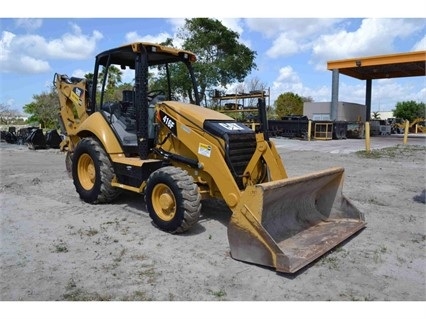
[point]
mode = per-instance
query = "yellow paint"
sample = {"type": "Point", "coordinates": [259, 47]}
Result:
{"type": "Point", "coordinates": [406, 129]}
{"type": "Point", "coordinates": [367, 137]}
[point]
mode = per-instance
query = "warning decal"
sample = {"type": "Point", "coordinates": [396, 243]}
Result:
{"type": "Point", "coordinates": [204, 149]}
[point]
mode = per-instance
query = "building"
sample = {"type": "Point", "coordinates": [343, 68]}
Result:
{"type": "Point", "coordinates": [346, 111]}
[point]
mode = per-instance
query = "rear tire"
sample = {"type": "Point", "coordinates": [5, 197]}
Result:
{"type": "Point", "coordinates": [172, 199]}
{"type": "Point", "coordinates": [93, 172]}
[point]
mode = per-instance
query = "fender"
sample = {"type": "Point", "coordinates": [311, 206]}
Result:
{"type": "Point", "coordinates": [97, 125]}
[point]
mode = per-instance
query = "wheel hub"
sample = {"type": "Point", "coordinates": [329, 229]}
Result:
{"type": "Point", "coordinates": [166, 201]}
{"type": "Point", "coordinates": [86, 171]}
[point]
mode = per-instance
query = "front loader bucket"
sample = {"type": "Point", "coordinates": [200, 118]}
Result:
{"type": "Point", "coordinates": [289, 223]}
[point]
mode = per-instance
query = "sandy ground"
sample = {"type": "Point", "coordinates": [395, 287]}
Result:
{"type": "Point", "coordinates": [55, 247]}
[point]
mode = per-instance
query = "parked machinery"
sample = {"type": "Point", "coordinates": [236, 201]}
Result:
{"type": "Point", "coordinates": [177, 153]}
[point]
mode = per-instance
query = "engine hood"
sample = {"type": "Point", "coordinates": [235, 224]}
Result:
{"type": "Point", "coordinates": [189, 112]}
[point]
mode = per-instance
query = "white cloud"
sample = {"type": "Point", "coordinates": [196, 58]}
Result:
{"type": "Point", "coordinates": [373, 37]}
{"type": "Point", "coordinates": [5, 43]}
{"type": "Point", "coordinates": [10, 61]}
{"type": "Point", "coordinates": [30, 53]}
{"type": "Point", "coordinates": [10, 102]}
{"type": "Point", "coordinates": [421, 95]}
{"type": "Point", "coordinates": [386, 91]}
{"type": "Point", "coordinates": [283, 46]}
{"type": "Point", "coordinates": [295, 28]}
{"type": "Point", "coordinates": [75, 45]}
{"type": "Point", "coordinates": [321, 40]}
{"type": "Point", "coordinates": [233, 24]}
{"type": "Point", "coordinates": [29, 24]}
{"type": "Point", "coordinates": [421, 45]}
{"type": "Point", "coordinates": [329, 39]}
{"type": "Point", "coordinates": [33, 65]}
{"type": "Point", "coordinates": [133, 36]}
{"type": "Point", "coordinates": [176, 23]}
{"type": "Point", "coordinates": [79, 73]}
{"type": "Point", "coordinates": [287, 74]}
{"type": "Point", "coordinates": [290, 36]}
{"type": "Point", "coordinates": [287, 81]}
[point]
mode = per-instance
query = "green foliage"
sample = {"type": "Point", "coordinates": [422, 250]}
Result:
{"type": "Point", "coordinates": [376, 115]}
{"type": "Point", "coordinates": [179, 81]}
{"type": "Point", "coordinates": [288, 104]}
{"type": "Point", "coordinates": [221, 58]}
{"type": "Point", "coordinates": [114, 87]}
{"type": "Point", "coordinates": [409, 110]}
{"type": "Point", "coordinates": [44, 109]}
{"type": "Point", "coordinates": [112, 82]}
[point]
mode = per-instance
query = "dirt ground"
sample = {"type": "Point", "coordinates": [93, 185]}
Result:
{"type": "Point", "coordinates": [54, 247]}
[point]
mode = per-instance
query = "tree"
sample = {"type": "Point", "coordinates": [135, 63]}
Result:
{"type": "Point", "coordinates": [114, 87]}
{"type": "Point", "coordinates": [376, 115]}
{"type": "Point", "coordinates": [255, 84]}
{"type": "Point", "coordinates": [44, 109]}
{"type": "Point", "coordinates": [307, 99]}
{"type": "Point", "coordinates": [8, 115]}
{"type": "Point", "coordinates": [409, 110]}
{"type": "Point", "coordinates": [221, 59]}
{"type": "Point", "coordinates": [114, 78]}
{"type": "Point", "coordinates": [288, 104]}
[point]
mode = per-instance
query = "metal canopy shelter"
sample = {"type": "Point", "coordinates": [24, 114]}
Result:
{"type": "Point", "coordinates": [375, 67]}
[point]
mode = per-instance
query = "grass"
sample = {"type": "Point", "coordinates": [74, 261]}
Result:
{"type": "Point", "coordinates": [73, 293]}
{"type": "Point", "coordinates": [377, 254]}
{"type": "Point", "coordinates": [82, 295]}
{"type": "Point", "coordinates": [149, 274]}
{"type": "Point", "coordinates": [60, 247]}
{"type": "Point", "coordinates": [90, 232]}
{"type": "Point", "coordinates": [391, 152]}
{"type": "Point", "coordinates": [219, 294]}
{"type": "Point", "coordinates": [332, 260]}
{"type": "Point", "coordinates": [137, 296]}
{"type": "Point", "coordinates": [350, 296]}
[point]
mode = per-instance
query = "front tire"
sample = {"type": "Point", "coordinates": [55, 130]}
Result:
{"type": "Point", "coordinates": [172, 199]}
{"type": "Point", "coordinates": [93, 172]}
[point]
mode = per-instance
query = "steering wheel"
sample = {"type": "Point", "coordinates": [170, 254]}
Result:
{"type": "Point", "coordinates": [154, 93]}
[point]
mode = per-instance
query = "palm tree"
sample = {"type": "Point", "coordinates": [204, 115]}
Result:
{"type": "Point", "coordinates": [114, 78]}
{"type": "Point", "coordinates": [376, 115]}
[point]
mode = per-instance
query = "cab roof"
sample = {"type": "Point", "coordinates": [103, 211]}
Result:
{"type": "Point", "coordinates": [157, 54]}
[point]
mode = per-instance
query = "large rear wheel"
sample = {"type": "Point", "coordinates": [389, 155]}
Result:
{"type": "Point", "coordinates": [93, 172]}
{"type": "Point", "coordinates": [172, 199]}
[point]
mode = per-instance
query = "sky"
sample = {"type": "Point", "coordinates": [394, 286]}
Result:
{"type": "Point", "coordinates": [292, 48]}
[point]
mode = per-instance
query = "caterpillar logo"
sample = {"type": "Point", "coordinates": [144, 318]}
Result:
{"type": "Point", "coordinates": [169, 122]}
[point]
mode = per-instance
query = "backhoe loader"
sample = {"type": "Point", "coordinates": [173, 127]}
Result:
{"type": "Point", "coordinates": [156, 141]}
